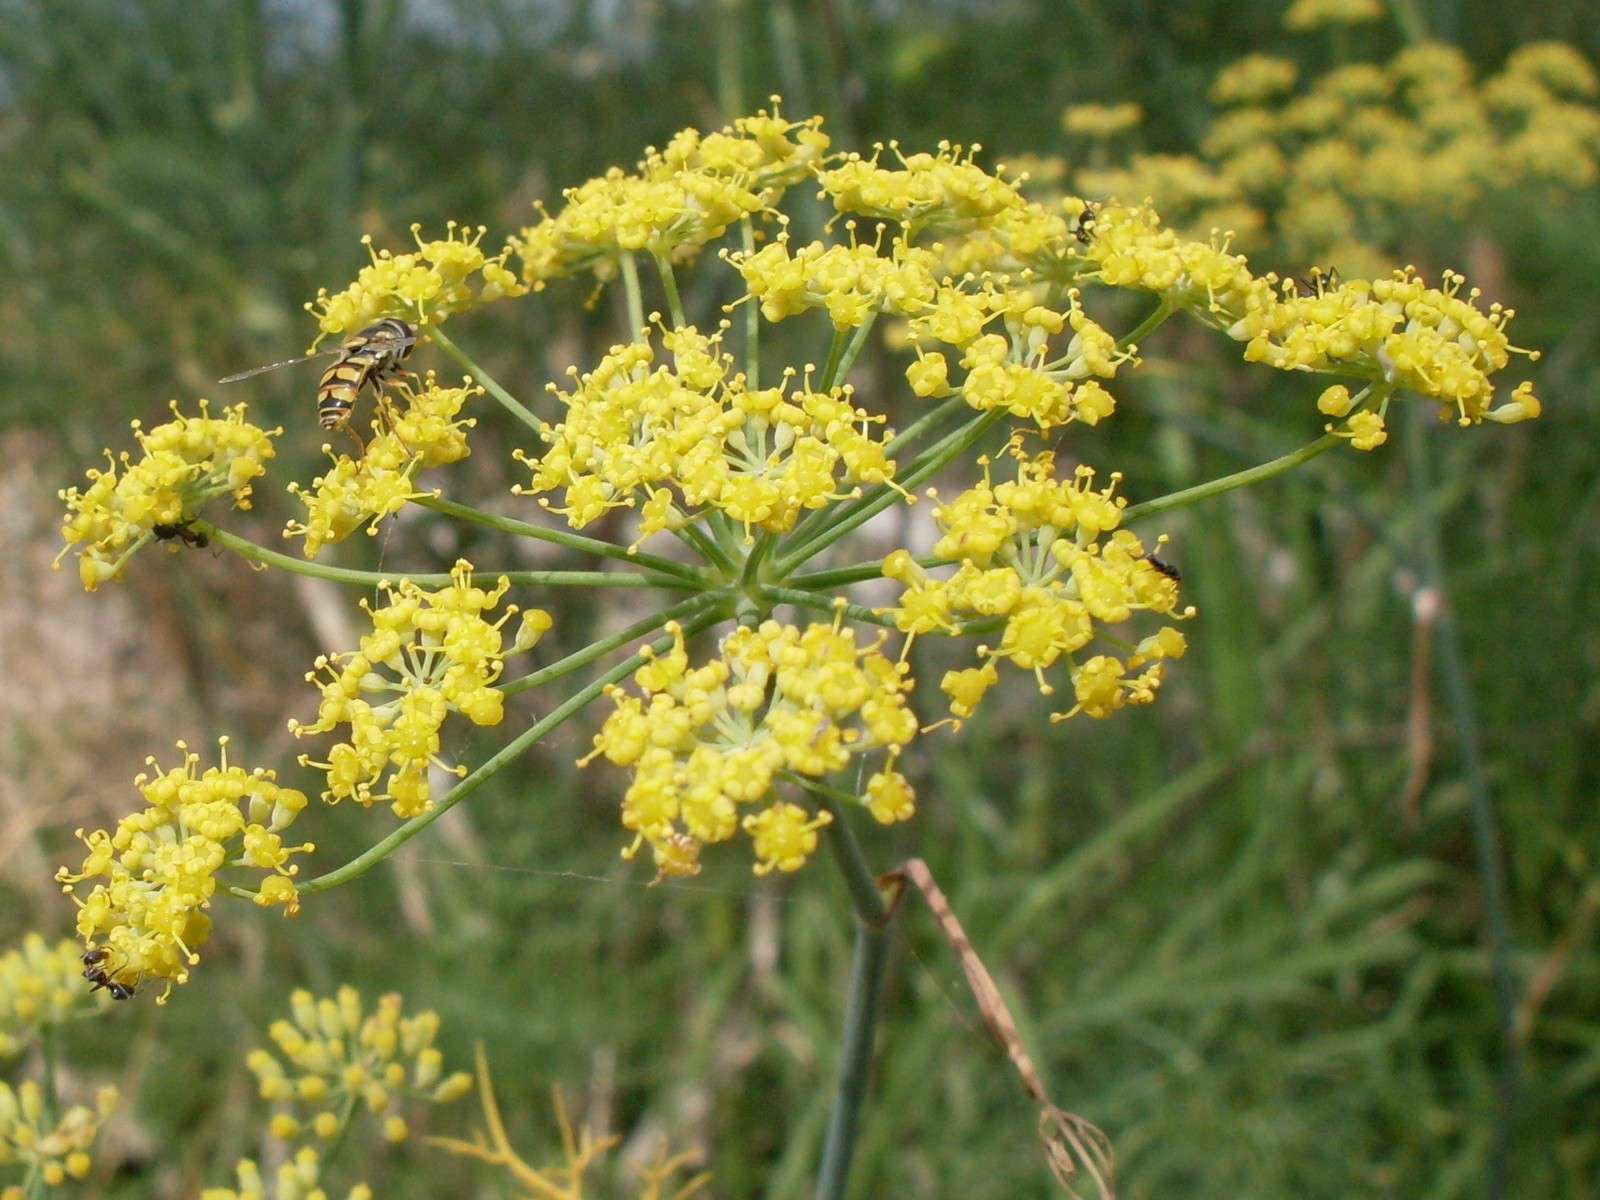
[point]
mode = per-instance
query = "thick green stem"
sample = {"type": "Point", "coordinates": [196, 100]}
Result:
{"type": "Point", "coordinates": [299, 566]}
{"type": "Point", "coordinates": [867, 967]}
{"type": "Point", "coordinates": [1485, 822]}
{"type": "Point", "coordinates": [486, 771]}
{"type": "Point", "coordinates": [669, 284]}
{"type": "Point", "coordinates": [560, 537]}
{"type": "Point", "coordinates": [579, 658]}
{"type": "Point", "coordinates": [507, 401]}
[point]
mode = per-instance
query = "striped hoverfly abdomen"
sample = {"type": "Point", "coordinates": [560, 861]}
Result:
{"type": "Point", "coordinates": [369, 356]}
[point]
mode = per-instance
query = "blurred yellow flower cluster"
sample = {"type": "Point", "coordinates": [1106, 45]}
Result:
{"type": "Point", "coordinates": [430, 653]}
{"type": "Point", "coordinates": [423, 286]}
{"type": "Point", "coordinates": [1044, 561]}
{"type": "Point", "coordinates": [186, 462]}
{"type": "Point", "coordinates": [160, 865]}
{"type": "Point", "coordinates": [40, 984]}
{"type": "Point", "coordinates": [705, 742]}
{"type": "Point", "coordinates": [333, 1057]}
{"type": "Point", "coordinates": [1366, 146]}
{"type": "Point", "coordinates": [52, 1149]}
{"type": "Point", "coordinates": [297, 1178]}
{"type": "Point", "coordinates": [694, 434]}
{"type": "Point", "coordinates": [425, 430]}
{"type": "Point", "coordinates": [680, 197]}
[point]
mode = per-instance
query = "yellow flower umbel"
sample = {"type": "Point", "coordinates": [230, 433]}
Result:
{"type": "Point", "coordinates": [423, 287]}
{"type": "Point", "coordinates": [675, 440]}
{"type": "Point", "coordinates": [40, 984]}
{"type": "Point", "coordinates": [1045, 560]}
{"type": "Point", "coordinates": [51, 1151]}
{"type": "Point", "coordinates": [426, 430]}
{"type": "Point", "coordinates": [334, 1057]}
{"type": "Point", "coordinates": [299, 1178]}
{"type": "Point", "coordinates": [707, 743]}
{"type": "Point", "coordinates": [159, 868]}
{"type": "Point", "coordinates": [680, 198]}
{"type": "Point", "coordinates": [1433, 341]}
{"type": "Point", "coordinates": [186, 462]}
{"type": "Point", "coordinates": [429, 654]}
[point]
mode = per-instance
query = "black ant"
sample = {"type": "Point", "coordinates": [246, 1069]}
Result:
{"type": "Point", "coordinates": [183, 531]}
{"type": "Point", "coordinates": [1165, 568]}
{"type": "Point", "coordinates": [100, 978]}
{"type": "Point", "coordinates": [1082, 226]}
{"type": "Point", "coordinates": [1317, 282]}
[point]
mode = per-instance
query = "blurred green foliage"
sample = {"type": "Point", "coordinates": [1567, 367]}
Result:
{"type": "Point", "coordinates": [1244, 930]}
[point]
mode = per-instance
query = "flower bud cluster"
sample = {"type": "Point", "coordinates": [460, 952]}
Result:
{"type": "Point", "coordinates": [707, 743]}
{"type": "Point", "coordinates": [430, 653]}
{"type": "Point", "coordinates": [40, 984]}
{"type": "Point", "coordinates": [145, 919]}
{"type": "Point", "coordinates": [334, 1056]}
{"type": "Point", "coordinates": [298, 1178]}
{"type": "Point", "coordinates": [185, 462]}
{"type": "Point", "coordinates": [51, 1150]}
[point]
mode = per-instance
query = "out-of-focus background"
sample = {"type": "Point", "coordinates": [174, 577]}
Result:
{"type": "Point", "coordinates": [1250, 931]}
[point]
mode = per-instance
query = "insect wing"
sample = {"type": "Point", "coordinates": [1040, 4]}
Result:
{"type": "Point", "coordinates": [287, 362]}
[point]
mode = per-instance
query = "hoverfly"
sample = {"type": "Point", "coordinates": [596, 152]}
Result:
{"type": "Point", "coordinates": [372, 355]}
{"type": "Point", "coordinates": [101, 978]}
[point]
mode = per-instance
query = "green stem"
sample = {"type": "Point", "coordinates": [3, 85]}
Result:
{"type": "Point", "coordinates": [835, 577]}
{"type": "Point", "coordinates": [707, 546]}
{"type": "Point", "coordinates": [865, 894]}
{"type": "Point", "coordinates": [835, 353]}
{"type": "Point", "coordinates": [820, 603]}
{"type": "Point", "coordinates": [579, 658]}
{"type": "Point", "coordinates": [1239, 479]}
{"type": "Point", "coordinates": [933, 416]}
{"type": "Point", "coordinates": [752, 317]}
{"type": "Point", "coordinates": [507, 401]}
{"type": "Point", "coordinates": [669, 284]}
{"type": "Point", "coordinates": [486, 771]}
{"type": "Point", "coordinates": [1485, 823]}
{"type": "Point", "coordinates": [853, 516]}
{"type": "Point", "coordinates": [630, 285]}
{"type": "Point", "coordinates": [559, 537]}
{"type": "Point", "coordinates": [868, 963]}
{"type": "Point", "coordinates": [299, 566]}
{"type": "Point", "coordinates": [1142, 330]}
{"type": "Point", "coordinates": [758, 554]}
{"type": "Point", "coordinates": [841, 366]}
{"type": "Point", "coordinates": [47, 1052]}
{"type": "Point", "coordinates": [346, 1119]}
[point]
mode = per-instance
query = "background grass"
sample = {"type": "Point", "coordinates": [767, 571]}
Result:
{"type": "Point", "coordinates": [1244, 930]}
